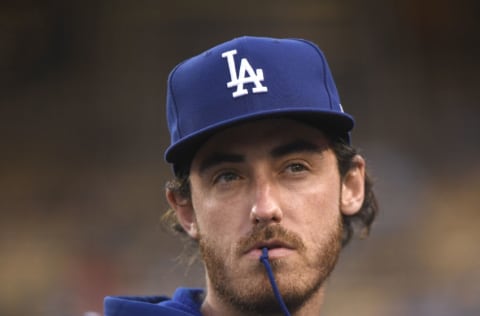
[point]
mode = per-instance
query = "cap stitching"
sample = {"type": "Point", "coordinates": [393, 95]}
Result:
{"type": "Point", "coordinates": [172, 93]}
{"type": "Point", "coordinates": [325, 69]}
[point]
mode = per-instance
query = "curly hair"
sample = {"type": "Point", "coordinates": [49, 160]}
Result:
{"type": "Point", "coordinates": [359, 223]}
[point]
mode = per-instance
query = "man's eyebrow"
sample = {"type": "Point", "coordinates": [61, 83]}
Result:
{"type": "Point", "coordinates": [217, 158]}
{"type": "Point", "coordinates": [296, 146]}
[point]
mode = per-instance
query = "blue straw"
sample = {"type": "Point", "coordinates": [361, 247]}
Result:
{"type": "Point", "coordinates": [266, 263]}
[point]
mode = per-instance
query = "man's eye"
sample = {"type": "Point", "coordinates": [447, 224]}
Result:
{"type": "Point", "coordinates": [226, 177]}
{"type": "Point", "coordinates": [296, 167]}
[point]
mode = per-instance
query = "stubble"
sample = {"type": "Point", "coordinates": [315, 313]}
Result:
{"type": "Point", "coordinates": [250, 291]}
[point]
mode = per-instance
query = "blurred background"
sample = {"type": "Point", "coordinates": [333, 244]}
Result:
{"type": "Point", "coordinates": [82, 90]}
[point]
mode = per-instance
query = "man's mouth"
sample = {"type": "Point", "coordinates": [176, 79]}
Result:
{"type": "Point", "coordinates": [276, 249]}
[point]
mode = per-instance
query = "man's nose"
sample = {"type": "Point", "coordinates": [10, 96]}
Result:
{"type": "Point", "coordinates": [265, 207]}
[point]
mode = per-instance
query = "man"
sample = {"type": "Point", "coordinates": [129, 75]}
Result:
{"type": "Point", "coordinates": [266, 182]}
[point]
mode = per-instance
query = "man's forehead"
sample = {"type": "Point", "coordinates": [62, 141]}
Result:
{"type": "Point", "coordinates": [285, 149]}
{"type": "Point", "coordinates": [275, 136]}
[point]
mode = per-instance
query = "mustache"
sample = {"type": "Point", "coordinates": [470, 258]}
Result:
{"type": "Point", "coordinates": [271, 232]}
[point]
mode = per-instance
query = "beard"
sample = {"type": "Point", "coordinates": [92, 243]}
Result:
{"type": "Point", "coordinates": [245, 285]}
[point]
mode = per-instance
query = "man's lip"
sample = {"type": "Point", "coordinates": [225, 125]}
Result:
{"type": "Point", "coordinates": [270, 244]}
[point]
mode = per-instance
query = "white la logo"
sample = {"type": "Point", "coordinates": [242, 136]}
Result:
{"type": "Point", "coordinates": [245, 69]}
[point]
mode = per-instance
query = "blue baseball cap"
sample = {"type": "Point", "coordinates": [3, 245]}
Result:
{"type": "Point", "coordinates": [250, 78]}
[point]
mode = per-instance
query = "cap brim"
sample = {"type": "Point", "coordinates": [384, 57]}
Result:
{"type": "Point", "coordinates": [331, 122]}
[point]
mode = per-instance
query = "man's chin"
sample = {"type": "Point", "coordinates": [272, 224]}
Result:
{"type": "Point", "coordinates": [255, 295]}
{"type": "Point", "coordinates": [252, 296]}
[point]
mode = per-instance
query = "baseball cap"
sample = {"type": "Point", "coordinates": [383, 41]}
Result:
{"type": "Point", "coordinates": [250, 78]}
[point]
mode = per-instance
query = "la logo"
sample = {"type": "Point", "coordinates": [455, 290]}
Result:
{"type": "Point", "coordinates": [246, 74]}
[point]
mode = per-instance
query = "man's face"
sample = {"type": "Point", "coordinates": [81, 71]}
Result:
{"type": "Point", "coordinates": [271, 183]}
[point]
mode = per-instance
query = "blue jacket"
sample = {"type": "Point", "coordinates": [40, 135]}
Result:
{"type": "Point", "coordinates": [185, 302]}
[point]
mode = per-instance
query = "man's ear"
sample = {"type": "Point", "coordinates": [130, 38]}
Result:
{"type": "Point", "coordinates": [353, 188]}
{"type": "Point", "coordinates": [184, 211]}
